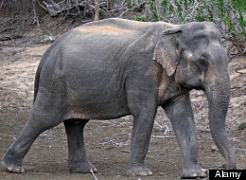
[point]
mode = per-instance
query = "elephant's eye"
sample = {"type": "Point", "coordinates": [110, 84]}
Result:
{"type": "Point", "coordinates": [202, 63]}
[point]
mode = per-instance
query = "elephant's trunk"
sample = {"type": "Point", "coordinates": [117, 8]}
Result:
{"type": "Point", "coordinates": [218, 95]}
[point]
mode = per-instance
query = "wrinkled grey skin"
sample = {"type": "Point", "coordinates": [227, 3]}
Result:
{"type": "Point", "coordinates": [111, 68]}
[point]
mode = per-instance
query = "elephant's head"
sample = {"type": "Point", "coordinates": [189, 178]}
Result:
{"type": "Point", "coordinates": [194, 55]}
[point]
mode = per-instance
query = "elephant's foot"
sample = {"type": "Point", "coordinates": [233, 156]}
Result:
{"type": "Point", "coordinates": [86, 167]}
{"type": "Point", "coordinates": [194, 172]}
{"type": "Point", "coordinates": [12, 166]}
{"type": "Point", "coordinates": [139, 171]}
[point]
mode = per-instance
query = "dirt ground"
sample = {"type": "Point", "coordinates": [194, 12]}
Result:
{"type": "Point", "coordinates": [107, 142]}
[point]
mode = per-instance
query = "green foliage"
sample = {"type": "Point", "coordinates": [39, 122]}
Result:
{"type": "Point", "coordinates": [240, 6]}
{"type": "Point", "coordinates": [154, 10]}
{"type": "Point", "coordinates": [129, 3]}
{"type": "Point", "coordinates": [139, 18]}
{"type": "Point", "coordinates": [229, 12]}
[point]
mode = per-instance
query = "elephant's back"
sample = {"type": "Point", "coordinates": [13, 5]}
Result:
{"type": "Point", "coordinates": [121, 27]}
{"type": "Point", "coordinates": [114, 26]}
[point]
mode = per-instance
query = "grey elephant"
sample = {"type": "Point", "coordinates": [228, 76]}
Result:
{"type": "Point", "coordinates": [115, 67]}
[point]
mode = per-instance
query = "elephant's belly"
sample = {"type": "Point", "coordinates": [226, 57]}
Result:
{"type": "Point", "coordinates": [97, 106]}
{"type": "Point", "coordinates": [91, 113]}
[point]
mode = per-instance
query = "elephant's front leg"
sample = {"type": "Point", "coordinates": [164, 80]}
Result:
{"type": "Point", "coordinates": [181, 116]}
{"type": "Point", "coordinates": [142, 128]}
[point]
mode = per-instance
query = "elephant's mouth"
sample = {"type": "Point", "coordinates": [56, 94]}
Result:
{"type": "Point", "coordinates": [199, 88]}
{"type": "Point", "coordinates": [185, 86]}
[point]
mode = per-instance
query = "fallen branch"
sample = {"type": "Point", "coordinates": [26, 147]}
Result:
{"type": "Point", "coordinates": [10, 37]}
{"type": "Point", "coordinates": [41, 5]}
{"type": "Point", "coordinates": [240, 71]}
{"type": "Point", "coordinates": [163, 136]}
{"type": "Point", "coordinates": [112, 142]}
{"type": "Point", "coordinates": [240, 149]}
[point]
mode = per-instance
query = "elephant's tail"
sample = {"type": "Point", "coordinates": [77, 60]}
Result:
{"type": "Point", "coordinates": [36, 81]}
{"type": "Point", "coordinates": [38, 72]}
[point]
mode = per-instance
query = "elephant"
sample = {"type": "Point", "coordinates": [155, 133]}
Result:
{"type": "Point", "coordinates": [114, 67]}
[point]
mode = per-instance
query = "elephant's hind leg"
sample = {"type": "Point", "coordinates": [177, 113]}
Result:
{"type": "Point", "coordinates": [77, 159]}
{"type": "Point", "coordinates": [40, 119]}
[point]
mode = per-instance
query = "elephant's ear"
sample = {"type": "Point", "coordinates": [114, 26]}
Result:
{"type": "Point", "coordinates": [167, 50]}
